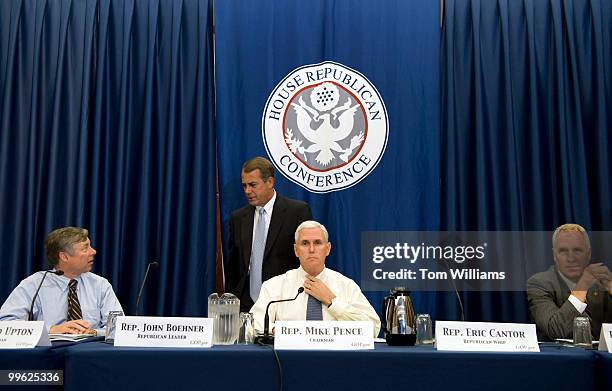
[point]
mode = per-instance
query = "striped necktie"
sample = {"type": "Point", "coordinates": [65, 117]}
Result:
{"type": "Point", "coordinates": [314, 309]}
{"type": "Point", "coordinates": [257, 253]}
{"type": "Point", "coordinates": [74, 307]}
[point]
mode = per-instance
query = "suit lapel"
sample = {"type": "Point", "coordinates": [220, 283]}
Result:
{"type": "Point", "coordinates": [562, 290]}
{"type": "Point", "coordinates": [276, 223]}
{"type": "Point", "coordinates": [247, 234]}
{"type": "Point", "coordinates": [594, 307]}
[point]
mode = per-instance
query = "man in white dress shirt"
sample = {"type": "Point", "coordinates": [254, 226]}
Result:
{"type": "Point", "coordinates": [337, 297]}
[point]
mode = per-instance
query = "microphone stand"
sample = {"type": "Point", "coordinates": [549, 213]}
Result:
{"type": "Point", "coordinates": [57, 273]}
{"type": "Point", "coordinates": [266, 338]}
{"type": "Point", "coordinates": [154, 264]}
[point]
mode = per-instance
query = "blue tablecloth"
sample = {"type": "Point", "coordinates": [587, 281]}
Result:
{"type": "Point", "coordinates": [603, 371]}
{"type": "Point", "coordinates": [43, 358]}
{"type": "Point", "coordinates": [96, 366]}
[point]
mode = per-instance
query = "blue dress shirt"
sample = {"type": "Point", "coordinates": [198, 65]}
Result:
{"type": "Point", "coordinates": [95, 294]}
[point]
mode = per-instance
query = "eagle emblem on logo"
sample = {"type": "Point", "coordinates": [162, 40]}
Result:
{"type": "Point", "coordinates": [324, 132]}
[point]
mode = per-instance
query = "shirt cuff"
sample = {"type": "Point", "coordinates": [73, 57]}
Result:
{"type": "Point", "coordinates": [338, 307]}
{"type": "Point", "coordinates": [580, 306]}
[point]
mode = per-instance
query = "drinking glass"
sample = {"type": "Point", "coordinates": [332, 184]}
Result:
{"type": "Point", "coordinates": [111, 324]}
{"type": "Point", "coordinates": [582, 332]}
{"type": "Point", "coordinates": [424, 330]}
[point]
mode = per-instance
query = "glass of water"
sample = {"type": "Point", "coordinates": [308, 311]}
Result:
{"type": "Point", "coordinates": [246, 333]}
{"type": "Point", "coordinates": [111, 325]}
{"type": "Point", "coordinates": [582, 332]}
{"type": "Point", "coordinates": [424, 330]}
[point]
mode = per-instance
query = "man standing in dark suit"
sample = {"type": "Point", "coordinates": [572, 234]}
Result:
{"type": "Point", "coordinates": [572, 287]}
{"type": "Point", "coordinates": [261, 233]}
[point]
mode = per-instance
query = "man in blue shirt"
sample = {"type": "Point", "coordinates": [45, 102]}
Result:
{"type": "Point", "coordinates": [73, 303]}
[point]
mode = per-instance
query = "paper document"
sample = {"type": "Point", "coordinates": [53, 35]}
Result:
{"type": "Point", "coordinates": [69, 337]}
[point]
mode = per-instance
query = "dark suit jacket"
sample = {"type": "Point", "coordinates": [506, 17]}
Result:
{"type": "Point", "coordinates": [279, 256]}
{"type": "Point", "coordinates": [554, 314]}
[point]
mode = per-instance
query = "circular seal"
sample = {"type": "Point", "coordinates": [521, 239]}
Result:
{"type": "Point", "coordinates": [325, 127]}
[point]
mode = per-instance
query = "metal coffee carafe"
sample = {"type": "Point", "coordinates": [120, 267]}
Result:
{"type": "Point", "coordinates": [398, 322]}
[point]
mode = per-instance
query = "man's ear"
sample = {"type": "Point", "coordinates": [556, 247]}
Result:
{"type": "Point", "coordinates": [62, 256]}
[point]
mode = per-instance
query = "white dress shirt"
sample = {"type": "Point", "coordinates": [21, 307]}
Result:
{"type": "Point", "coordinates": [349, 304]}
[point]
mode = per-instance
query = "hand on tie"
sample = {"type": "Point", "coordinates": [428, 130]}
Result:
{"type": "Point", "coordinates": [317, 289]}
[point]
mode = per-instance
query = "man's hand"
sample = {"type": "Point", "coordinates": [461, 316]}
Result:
{"type": "Point", "coordinates": [78, 326]}
{"type": "Point", "coordinates": [317, 289]}
{"type": "Point", "coordinates": [592, 274]}
{"type": "Point", "coordinates": [603, 276]}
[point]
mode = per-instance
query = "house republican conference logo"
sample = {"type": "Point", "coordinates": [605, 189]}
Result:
{"type": "Point", "coordinates": [325, 127]}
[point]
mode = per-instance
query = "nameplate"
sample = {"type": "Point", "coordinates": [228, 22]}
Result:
{"type": "Point", "coordinates": [21, 334]}
{"type": "Point", "coordinates": [323, 335]}
{"type": "Point", "coordinates": [605, 337]}
{"type": "Point", "coordinates": [486, 337]}
{"type": "Point", "coordinates": [171, 332]}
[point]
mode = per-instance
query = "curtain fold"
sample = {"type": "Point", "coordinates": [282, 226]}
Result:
{"type": "Point", "coordinates": [107, 122]}
{"type": "Point", "coordinates": [526, 90]}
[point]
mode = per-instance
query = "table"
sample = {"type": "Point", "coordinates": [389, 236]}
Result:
{"type": "Point", "coordinates": [99, 366]}
{"type": "Point", "coordinates": [103, 367]}
{"type": "Point", "coordinates": [603, 370]}
{"type": "Point", "coordinates": [37, 358]}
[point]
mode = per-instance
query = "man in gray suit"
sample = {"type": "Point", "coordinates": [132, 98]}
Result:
{"type": "Point", "coordinates": [572, 287]}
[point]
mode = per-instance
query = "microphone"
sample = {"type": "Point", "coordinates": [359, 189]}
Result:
{"type": "Point", "coordinates": [266, 338]}
{"type": "Point", "coordinates": [453, 241]}
{"type": "Point", "coordinates": [154, 264]}
{"type": "Point", "coordinates": [57, 273]}
{"type": "Point", "coordinates": [457, 294]}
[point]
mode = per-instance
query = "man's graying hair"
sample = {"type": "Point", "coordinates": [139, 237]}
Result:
{"type": "Point", "coordinates": [311, 224]}
{"type": "Point", "coordinates": [62, 239]}
{"type": "Point", "coordinates": [570, 228]}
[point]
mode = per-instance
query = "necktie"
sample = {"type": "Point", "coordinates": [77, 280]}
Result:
{"type": "Point", "coordinates": [314, 309]}
{"type": "Point", "coordinates": [74, 307]}
{"type": "Point", "coordinates": [257, 253]}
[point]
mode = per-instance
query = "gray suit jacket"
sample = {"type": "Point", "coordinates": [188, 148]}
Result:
{"type": "Point", "coordinates": [554, 314]}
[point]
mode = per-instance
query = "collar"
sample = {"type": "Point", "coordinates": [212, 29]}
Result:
{"type": "Point", "coordinates": [269, 206]}
{"type": "Point", "coordinates": [63, 281]}
{"type": "Point", "coordinates": [570, 284]}
{"type": "Point", "coordinates": [321, 276]}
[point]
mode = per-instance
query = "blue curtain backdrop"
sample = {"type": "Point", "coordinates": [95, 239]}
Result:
{"type": "Point", "coordinates": [499, 121]}
{"type": "Point", "coordinates": [526, 91]}
{"type": "Point", "coordinates": [395, 44]}
{"type": "Point", "coordinates": [106, 122]}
